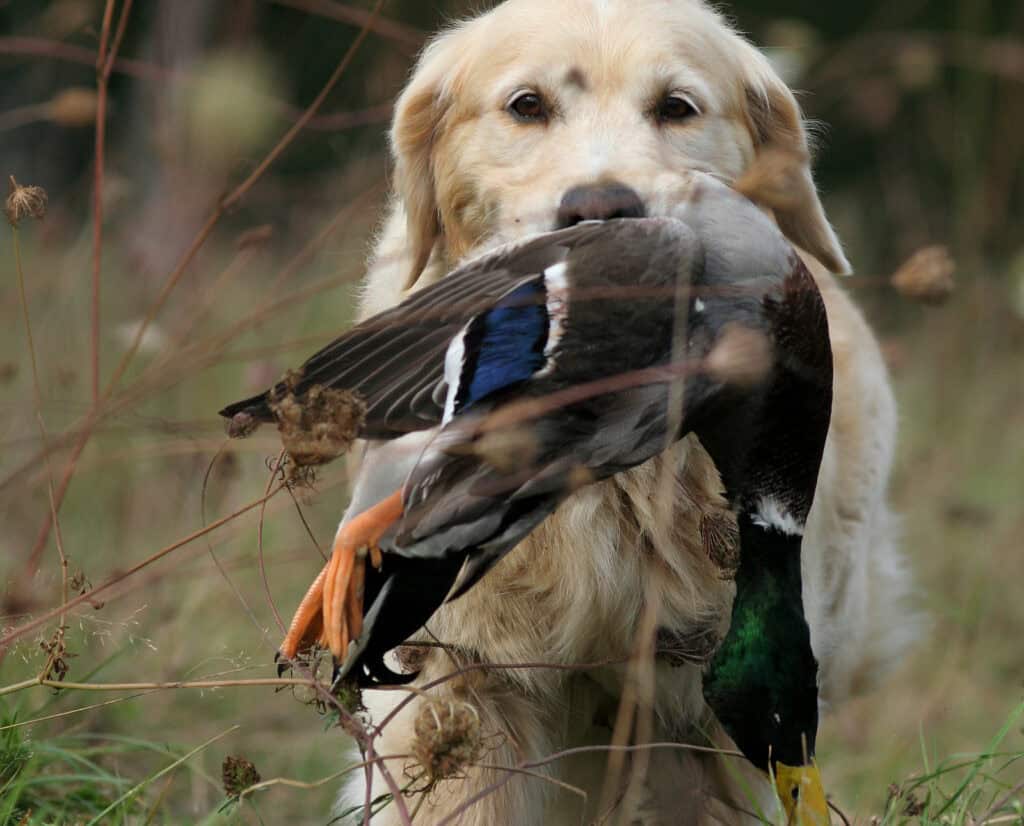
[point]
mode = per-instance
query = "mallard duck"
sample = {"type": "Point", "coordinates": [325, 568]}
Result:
{"type": "Point", "coordinates": [488, 397]}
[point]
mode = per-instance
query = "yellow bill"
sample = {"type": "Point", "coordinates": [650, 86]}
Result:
{"type": "Point", "coordinates": [802, 795]}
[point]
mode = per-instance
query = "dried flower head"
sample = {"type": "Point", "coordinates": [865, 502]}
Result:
{"type": "Point", "coordinates": [447, 738]}
{"type": "Point", "coordinates": [24, 202]}
{"type": "Point", "coordinates": [927, 276]}
{"type": "Point", "coordinates": [775, 178]}
{"type": "Point", "coordinates": [741, 356]}
{"type": "Point", "coordinates": [73, 107]}
{"type": "Point", "coordinates": [317, 425]}
{"type": "Point", "coordinates": [237, 775]}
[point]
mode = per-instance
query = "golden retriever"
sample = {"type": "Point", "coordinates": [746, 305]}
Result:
{"type": "Point", "coordinates": [537, 114]}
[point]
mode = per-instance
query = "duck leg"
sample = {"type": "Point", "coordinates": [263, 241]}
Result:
{"type": "Point", "coordinates": [332, 609]}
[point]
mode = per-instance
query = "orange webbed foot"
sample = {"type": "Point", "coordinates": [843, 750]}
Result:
{"type": "Point", "coordinates": [332, 610]}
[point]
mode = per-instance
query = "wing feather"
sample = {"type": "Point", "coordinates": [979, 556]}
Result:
{"type": "Point", "coordinates": [369, 358]}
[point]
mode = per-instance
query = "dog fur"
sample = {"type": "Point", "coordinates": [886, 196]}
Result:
{"type": "Point", "coordinates": [619, 558]}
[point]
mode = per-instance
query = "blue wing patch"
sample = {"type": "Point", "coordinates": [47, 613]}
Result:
{"type": "Point", "coordinates": [505, 345]}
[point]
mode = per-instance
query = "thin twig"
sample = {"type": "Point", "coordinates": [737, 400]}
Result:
{"type": "Point", "coordinates": [213, 554]}
{"type": "Point", "coordinates": [88, 596]}
{"type": "Point", "coordinates": [55, 651]}
{"type": "Point", "coordinates": [569, 787]}
{"type": "Point", "coordinates": [416, 691]}
{"type": "Point", "coordinates": [175, 277]}
{"type": "Point", "coordinates": [275, 472]}
{"type": "Point", "coordinates": [389, 781]}
{"type": "Point", "coordinates": [58, 715]}
{"type": "Point", "coordinates": [840, 812]}
{"type": "Point", "coordinates": [308, 785]}
{"type": "Point", "coordinates": [313, 108]}
{"type": "Point", "coordinates": [273, 682]}
{"type": "Point", "coordinates": [104, 66]}
{"type": "Point", "coordinates": [345, 13]}
{"type": "Point", "coordinates": [476, 798]}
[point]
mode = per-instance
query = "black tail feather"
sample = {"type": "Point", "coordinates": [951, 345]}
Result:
{"type": "Point", "coordinates": [258, 407]}
{"type": "Point", "coordinates": [400, 598]}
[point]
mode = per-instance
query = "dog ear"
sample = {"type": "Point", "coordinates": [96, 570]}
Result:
{"type": "Point", "coordinates": [776, 123]}
{"type": "Point", "coordinates": [419, 119]}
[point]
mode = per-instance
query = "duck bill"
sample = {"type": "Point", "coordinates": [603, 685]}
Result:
{"type": "Point", "coordinates": [802, 795]}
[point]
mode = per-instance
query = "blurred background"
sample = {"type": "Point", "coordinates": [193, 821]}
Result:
{"type": "Point", "coordinates": [920, 112]}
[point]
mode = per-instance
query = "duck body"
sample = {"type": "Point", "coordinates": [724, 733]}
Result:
{"type": "Point", "coordinates": [566, 358]}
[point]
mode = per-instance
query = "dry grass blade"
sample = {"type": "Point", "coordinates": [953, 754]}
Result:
{"type": "Point", "coordinates": [104, 66]}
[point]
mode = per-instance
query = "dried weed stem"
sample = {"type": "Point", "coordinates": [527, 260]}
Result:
{"type": "Point", "coordinates": [176, 275]}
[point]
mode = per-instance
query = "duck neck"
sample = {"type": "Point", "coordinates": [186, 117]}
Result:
{"type": "Point", "coordinates": [762, 681]}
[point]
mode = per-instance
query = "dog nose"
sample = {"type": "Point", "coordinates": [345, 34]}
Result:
{"type": "Point", "coordinates": [598, 202]}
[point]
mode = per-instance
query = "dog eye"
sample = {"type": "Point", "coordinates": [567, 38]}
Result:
{"type": "Point", "coordinates": [675, 108]}
{"type": "Point", "coordinates": [528, 107]}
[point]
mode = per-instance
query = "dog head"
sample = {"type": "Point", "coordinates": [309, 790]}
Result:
{"type": "Point", "coordinates": [542, 113]}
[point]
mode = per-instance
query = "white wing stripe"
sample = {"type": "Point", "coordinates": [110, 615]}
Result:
{"type": "Point", "coordinates": [454, 362]}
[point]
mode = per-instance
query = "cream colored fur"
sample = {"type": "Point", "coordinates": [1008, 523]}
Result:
{"type": "Point", "coordinates": [467, 177]}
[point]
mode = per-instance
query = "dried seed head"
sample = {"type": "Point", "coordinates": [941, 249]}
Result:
{"type": "Point", "coordinates": [318, 425]}
{"type": "Point", "coordinates": [775, 179]}
{"type": "Point", "coordinates": [927, 276]}
{"type": "Point", "coordinates": [238, 774]}
{"type": "Point", "coordinates": [741, 356]}
{"type": "Point", "coordinates": [447, 737]}
{"type": "Point", "coordinates": [73, 107]}
{"type": "Point", "coordinates": [24, 202]}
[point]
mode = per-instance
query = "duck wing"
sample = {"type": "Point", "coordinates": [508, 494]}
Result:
{"type": "Point", "coordinates": [396, 360]}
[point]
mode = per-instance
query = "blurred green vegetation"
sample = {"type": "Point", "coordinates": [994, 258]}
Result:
{"type": "Point", "coordinates": [921, 141]}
